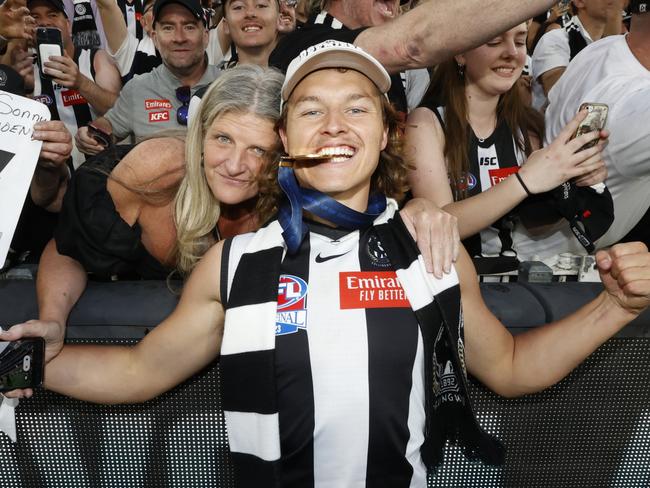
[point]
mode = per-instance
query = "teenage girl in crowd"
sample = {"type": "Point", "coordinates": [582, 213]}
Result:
{"type": "Point", "coordinates": [484, 135]}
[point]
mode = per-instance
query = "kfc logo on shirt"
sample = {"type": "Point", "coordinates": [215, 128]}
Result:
{"type": "Point", "coordinates": [159, 116]}
{"type": "Point", "coordinates": [152, 104]}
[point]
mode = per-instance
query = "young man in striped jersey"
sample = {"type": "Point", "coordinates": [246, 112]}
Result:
{"type": "Point", "coordinates": [342, 360]}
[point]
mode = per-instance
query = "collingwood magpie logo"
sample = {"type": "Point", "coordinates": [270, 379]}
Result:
{"type": "Point", "coordinates": [376, 252]}
{"type": "Point", "coordinates": [448, 383]}
{"type": "Point", "coordinates": [80, 9]}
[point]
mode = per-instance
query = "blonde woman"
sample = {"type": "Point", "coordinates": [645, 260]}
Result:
{"type": "Point", "coordinates": [154, 213]}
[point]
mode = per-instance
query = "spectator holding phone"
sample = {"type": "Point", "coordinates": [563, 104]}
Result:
{"type": "Point", "coordinates": [616, 71]}
{"type": "Point", "coordinates": [479, 155]}
{"type": "Point", "coordinates": [77, 86]}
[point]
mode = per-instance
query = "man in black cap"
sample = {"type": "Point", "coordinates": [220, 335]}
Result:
{"type": "Point", "coordinates": [160, 99]}
{"type": "Point", "coordinates": [83, 83]}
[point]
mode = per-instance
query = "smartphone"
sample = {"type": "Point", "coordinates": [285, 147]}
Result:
{"type": "Point", "coordinates": [103, 138]}
{"type": "Point", "coordinates": [48, 43]}
{"type": "Point", "coordinates": [595, 120]}
{"type": "Point", "coordinates": [21, 363]}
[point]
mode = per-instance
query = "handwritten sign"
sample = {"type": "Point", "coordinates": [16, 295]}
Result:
{"type": "Point", "coordinates": [18, 157]}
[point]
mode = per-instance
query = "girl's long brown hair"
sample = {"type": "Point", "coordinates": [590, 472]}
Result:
{"type": "Point", "coordinates": [447, 88]}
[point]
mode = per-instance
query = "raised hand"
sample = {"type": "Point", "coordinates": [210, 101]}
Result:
{"type": "Point", "coordinates": [52, 332]}
{"type": "Point", "coordinates": [15, 21]}
{"type": "Point", "coordinates": [435, 232]}
{"type": "Point", "coordinates": [64, 71]}
{"type": "Point", "coordinates": [563, 159]}
{"type": "Point", "coordinates": [625, 272]}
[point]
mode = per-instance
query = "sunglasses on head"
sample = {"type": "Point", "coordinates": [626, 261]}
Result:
{"type": "Point", "coordinates": [183, 95]}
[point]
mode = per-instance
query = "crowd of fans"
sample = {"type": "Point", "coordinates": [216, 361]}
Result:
{"type": "Point", "coordinates": [170, 140]}
{"type": "Point", "coordinates": [134, 70]}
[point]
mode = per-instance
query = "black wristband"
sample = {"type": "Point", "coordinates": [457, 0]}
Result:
{"type": "Point", "coordinates": [521, 180]}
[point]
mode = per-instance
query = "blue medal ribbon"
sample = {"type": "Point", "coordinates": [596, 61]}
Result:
{"type": "Point", "coordinates": [321, 205]}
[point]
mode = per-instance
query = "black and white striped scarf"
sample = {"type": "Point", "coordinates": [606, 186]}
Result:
{"type": "Point", "coordinates": [248, 363]}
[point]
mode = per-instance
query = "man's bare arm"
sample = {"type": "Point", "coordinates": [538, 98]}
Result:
{"type": "Point", "coordinates": [530, 362]}
{"type": "Point", "coordinates": [103, 92]}
{"type": "Point", "coordinates": [428, 34]}
{"type": "Point", "coordinates": [114, 25]}
{"type": "Point", "coordinates": [550, 78]}
{"type": "Point", "coordinates": [100, 94]}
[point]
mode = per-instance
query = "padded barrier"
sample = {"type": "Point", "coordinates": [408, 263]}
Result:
{"type": "Point", "coordinates": [591, 430]}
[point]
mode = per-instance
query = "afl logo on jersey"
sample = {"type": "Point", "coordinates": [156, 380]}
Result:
{"type": "Point", "coordinates": [467, 182]}
{"type": "Point", "coordinates": [376, 253]}
{"type": "Point", "coordinates": [471, 181]}
{"type": "Point", "coordinates": [292, 305]}
{"type": "Point", "coordinates": [44, 99]}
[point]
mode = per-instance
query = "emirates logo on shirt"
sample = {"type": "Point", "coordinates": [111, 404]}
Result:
{"type": "Point", "coordinates": [72, 97]}
{"type": "Point", "coordinates": [157, 104]}
{"type": "Point", "coordinates": [371, 289]}
{"type": "Point", "coordinates": [498, 175]}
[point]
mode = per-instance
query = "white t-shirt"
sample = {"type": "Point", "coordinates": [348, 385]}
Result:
{"type": "Point", "coordinates": [417, 82]}
{"type": "Point", "coordinates": [552, 51]}
{"type": "Point", "coordinates": [607, 72]}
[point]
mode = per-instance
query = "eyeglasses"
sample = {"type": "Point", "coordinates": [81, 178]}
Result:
{"type": "Point", "coordinates": [290, 3]}
{"type": "Point", "coordinates": [183, 95]}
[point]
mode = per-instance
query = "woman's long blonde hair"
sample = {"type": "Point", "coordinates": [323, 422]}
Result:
{"type": "Point", "coordinates": [243, 89]}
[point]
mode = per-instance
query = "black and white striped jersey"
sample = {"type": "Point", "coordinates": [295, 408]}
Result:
{"type": "Point", "coordinates": [349, 365]}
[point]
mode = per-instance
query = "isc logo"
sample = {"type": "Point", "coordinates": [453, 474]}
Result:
{"type": "Point", "coordinates": [158, 116]}
{"type": "Point", "coordinates": [488, 161]}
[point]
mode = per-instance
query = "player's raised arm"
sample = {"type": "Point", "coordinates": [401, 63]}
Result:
{"type": "Point", "coordinates": [530, 362]}
{"type": "Point", "coordinates": [179, 347]}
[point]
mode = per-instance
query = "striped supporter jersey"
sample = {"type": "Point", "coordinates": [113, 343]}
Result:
{"type": "Point", "coordinates": [349, 365]}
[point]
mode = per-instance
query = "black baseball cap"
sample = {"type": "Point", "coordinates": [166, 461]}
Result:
{"type": "Point", "coordinates": [590, 211]}
{"type": "Point", "coordinates": [194, 6]}
{"type": "Point", "coordinates": [638, 7]}
{"type": "Point", "coordinates": [57, 4]}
